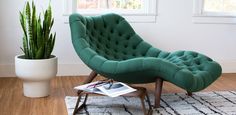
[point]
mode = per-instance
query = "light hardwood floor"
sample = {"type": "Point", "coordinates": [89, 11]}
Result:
{"type": "Point", "coordinates": [12, 101]}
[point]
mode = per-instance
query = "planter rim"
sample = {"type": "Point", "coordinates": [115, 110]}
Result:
{"type": "Point", "coordinates": [19, 57]}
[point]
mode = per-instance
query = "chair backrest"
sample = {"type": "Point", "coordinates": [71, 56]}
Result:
{"type": "Point", "coordinates": [110, 36]}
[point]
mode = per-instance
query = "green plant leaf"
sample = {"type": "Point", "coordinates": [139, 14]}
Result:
{"type": "Point", "coordinates": [40, 53]}
{"type": "Point", "coordinates": [38, 41]}
{"type": "Point", "coordinates": [34, 26]}
{"type": "Point", "coordinates": [25, 46]}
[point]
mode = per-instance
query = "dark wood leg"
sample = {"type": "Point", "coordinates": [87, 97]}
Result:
{"type": "Point", "coordinates": [141, 93]}
{"type": "Point", "coordinates": [77, 105]}
{"type": "Point", "coordinates": [90, 78]}
{"type": "Point", "coordinates": [159, 83]}
{"type": "Point", "coordinates": [142, 99]}
{"type": "Point", "coordinates": [149, 104]}
{"type": "Point", "coordinates": [189, 93]}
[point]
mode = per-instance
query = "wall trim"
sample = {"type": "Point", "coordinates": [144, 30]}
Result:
{"type": "Point", "coordinates": [8, 70]}
{"type": "Point", "coordinates": [228, 66]}
{"type": "Point", "coordinates": [73, 69]}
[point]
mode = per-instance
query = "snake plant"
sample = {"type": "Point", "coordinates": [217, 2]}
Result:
{"type": "Point", "coordinates": [38, 41]}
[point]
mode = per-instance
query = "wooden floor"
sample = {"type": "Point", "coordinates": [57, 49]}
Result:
{"type": "Point", "coordinates": [12, 101]}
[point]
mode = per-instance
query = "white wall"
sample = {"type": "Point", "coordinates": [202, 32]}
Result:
{"type": "Point", "coordinates": [173, 30]}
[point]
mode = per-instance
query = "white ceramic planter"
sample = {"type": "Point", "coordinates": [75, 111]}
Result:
{"type": "Point", "coordinates": [36, 75]}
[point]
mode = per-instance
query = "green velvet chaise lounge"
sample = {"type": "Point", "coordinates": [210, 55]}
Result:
{"type": "Point", "coordinates": [110, 47]}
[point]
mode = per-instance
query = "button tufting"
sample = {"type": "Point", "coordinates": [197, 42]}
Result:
{"type": "Point", "coordinates": [195, 55]}
{"type": "Point", "coordinates": [197, 62]}
{"type": "Point", "coordinates": [180, 54]}
{"type": "Point", "coordinates": [108, 38]}
{"type": "Point", "coordinates": [209, 59]}
{"type": "Point", "coordinates": [117, 42]}
{"type": "Point", "coordinates": [107, 46]}
{"type": "Point", "coordinates": [190, 69]}
{"type": "Point", "coordinates": [112, 31]}
{"type": "Point", "coordinates": [106, 52]}
{"type": "Point", "coordinates": [200, 68]}
{"type": "Point", "coordinates": [99, 40]}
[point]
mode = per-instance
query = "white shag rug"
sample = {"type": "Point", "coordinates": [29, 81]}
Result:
{"type": "Point", "coordinates": [201, 103]}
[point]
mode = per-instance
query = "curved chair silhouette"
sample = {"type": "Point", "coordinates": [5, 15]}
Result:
{"type": "Point", "coordinates": [110, 47]}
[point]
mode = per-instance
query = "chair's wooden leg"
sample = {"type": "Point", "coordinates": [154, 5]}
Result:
{"type": "Point", "coordinates": [90, 78]}
{"type": "Point", "coordinates": [189, 93]}
{"type": "Point", "coordinates": [77, 105]}
{"type": "Point", "coordinates": [142, 98]}
{"type": "Point", "coordinates": [159, 83]}
{"type": "Point", "coordinates": [149, 105]}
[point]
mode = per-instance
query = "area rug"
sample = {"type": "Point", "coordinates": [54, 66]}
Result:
{"type": "Point", "coordinates": [201, 103]}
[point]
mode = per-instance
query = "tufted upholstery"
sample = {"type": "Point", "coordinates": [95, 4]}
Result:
{"type": "Point", "coordinates": [109, 46]}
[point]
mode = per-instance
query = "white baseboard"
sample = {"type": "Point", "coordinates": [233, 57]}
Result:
{"type": "Point", "coordinates": [228, 66]}
{"type": "Point", "coordinates": [7, 71]}
{"type": "Point", "coordinates": [63, 70]}
{"type": "Point", "coordinates": [81, 69]}
{"type": "Point", "coordinates": [73, 70]}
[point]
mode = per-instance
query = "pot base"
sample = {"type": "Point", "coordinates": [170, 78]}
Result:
{"type": "Point", "coordinates": [36, 89]}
